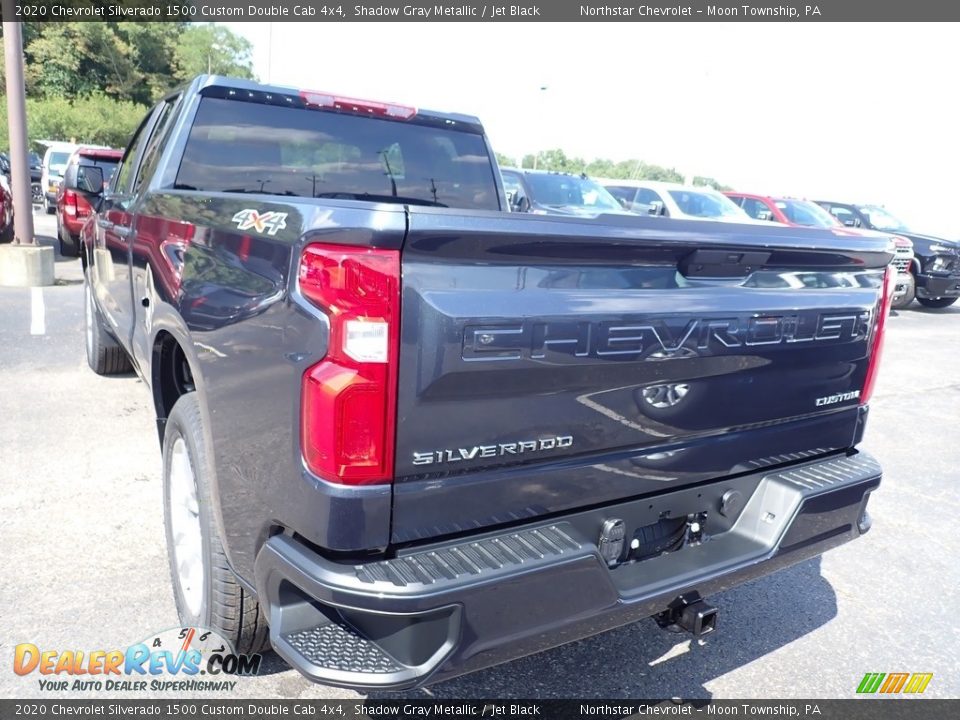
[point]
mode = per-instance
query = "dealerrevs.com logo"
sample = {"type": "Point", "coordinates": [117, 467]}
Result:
{"type": "Point", "coordinates": [179, 660]}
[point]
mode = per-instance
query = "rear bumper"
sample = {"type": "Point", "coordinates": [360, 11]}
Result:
{"type": "Point", "coordinates": [472, 603]}
{"type": "Point", "coordinates": [937, 286]}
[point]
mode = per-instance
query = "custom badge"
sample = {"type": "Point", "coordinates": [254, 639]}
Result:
{"type": "Point", "coordinates": [271, 221]}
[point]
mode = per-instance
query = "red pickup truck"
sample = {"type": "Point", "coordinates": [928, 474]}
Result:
{"type": "Point", "coordinates": [73, 201]}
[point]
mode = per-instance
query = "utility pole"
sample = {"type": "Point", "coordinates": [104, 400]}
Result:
{"type": "Point", "coordinates": [25, 263]}
{"type": "Point", "coordinates": [17, 122]}
{"type": "Point", "coordinates": [539, 118]}
{"type": "Point", "coordinates": [269, 51]}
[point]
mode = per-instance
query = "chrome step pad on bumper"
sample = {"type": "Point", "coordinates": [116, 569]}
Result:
{"type": "Point", "coordinates": [442, 611]}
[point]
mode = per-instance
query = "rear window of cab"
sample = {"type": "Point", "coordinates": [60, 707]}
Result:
{"type": "Point", "coordinates": [245, 147]}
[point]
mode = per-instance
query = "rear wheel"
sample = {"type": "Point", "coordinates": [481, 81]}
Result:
{"type": "Point", "coordinates": [104, 354]}
{"type": "Point", "coordinates": [69, 245]}
{"type": "Point", "coordinates": [936, 303]}
{"type": "Point", "coordinates": [906, 291]}
{"type": "Point", "coordinates": [206, 592]}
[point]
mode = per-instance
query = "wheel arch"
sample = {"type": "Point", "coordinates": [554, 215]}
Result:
{"type": "Point", "coordinates": [174, 372]}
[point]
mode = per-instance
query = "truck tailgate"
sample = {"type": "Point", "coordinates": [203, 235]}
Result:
{"type": "Point", "coordinates": [548, 364]}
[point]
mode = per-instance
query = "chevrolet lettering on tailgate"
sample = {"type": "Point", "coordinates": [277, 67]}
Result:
{"type": "Point", "coordinates": [631, 339]}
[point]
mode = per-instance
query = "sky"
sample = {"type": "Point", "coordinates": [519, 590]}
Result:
{"type": "Point", "coordinates": [861, 112]}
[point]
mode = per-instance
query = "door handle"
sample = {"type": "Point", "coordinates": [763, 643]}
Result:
{"type": "Point", "coordinates": [104, 224]}
{"type": "Point", "coordinates": [122, 230]}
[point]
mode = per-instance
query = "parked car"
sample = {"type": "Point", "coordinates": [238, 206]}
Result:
{"type": "Point", "coordinates": [54, 162]}
{"type": "Point", "coordinates": [74, 193]}
{"type": "Point", "coordinates": [545, 192]}
{"type": "Point", "coordinates": [399, 493]}
{"type": "Point", "coordinates": [36, 165]}
{"type": "Point", "coordinates": [936, 261]}
{"type": "Point", "coordinates": [685, 202]}
{"type": "Point", "coordinates": [6, 210]}
{"type": "Point", "coordinates": [36, 174]}
{"type": "Point", "coordinates": [805, 213]}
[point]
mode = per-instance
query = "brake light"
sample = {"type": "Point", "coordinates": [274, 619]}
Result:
{"type": "Point", "coordinates": [69, 202]}
{"type": "Point", "coordinates": [348, 403]}
{"type": "Point", "coordinates": [329, 101]}
{"type": "Point", "coordinates": [879, 328]}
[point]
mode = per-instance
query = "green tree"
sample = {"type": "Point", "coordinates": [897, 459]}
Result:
{"type": "Point", "coordinates": [212, 49]}
{"type": "Point", "coordinates": [601, 167]}
{"type": "Point", "coordinates": [128, 61]}
{"type": "Point", "coordinates": [93, 81]}
{"type": "Point", "coordinates": [556, 160]}
{"type": "Point", "coordinates": [504, 160]}
{"type": "Point", "coordinates": [647, 171]}
{"type": "Point", "coordinates": [94, 119]}
{"type": "Point", "coordinates": [710, 182]}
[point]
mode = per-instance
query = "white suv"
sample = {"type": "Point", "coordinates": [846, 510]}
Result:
{"type": "Point", "coordinates": [674, 200]}
{"type": "Point", "coordinates": [54, 162]}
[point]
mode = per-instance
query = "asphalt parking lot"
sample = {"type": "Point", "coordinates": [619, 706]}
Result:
{"type": "Point", "coordinates": [81, 525]}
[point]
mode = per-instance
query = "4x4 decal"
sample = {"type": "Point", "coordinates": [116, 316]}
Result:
{"type": "Point", "coordinates": [270, 221]}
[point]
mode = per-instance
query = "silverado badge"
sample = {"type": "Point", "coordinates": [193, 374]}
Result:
{"type": "Point", "coordinates": [521, 447]}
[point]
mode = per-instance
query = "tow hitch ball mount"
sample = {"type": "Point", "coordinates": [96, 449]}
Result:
{"type": "Point", "coordinates": [691, 613]}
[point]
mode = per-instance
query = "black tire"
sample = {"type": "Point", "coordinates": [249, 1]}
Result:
{"type": "Point", "coordinates": [936, 303]}
{"type": "Point", "coordinates": [69, 245]}
{"type": "Point", "coordinates": [7, 234]}
{"type": "Point", "coordinates": [104, 354]}
{"type": "Point", "coordinates": [224, 606]}
{"type": "Point", "coordinates": [51, 209]}
{"type": "Point", "coordinates": [909, 293]}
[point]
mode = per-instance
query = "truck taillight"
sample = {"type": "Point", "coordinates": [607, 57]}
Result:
{"type": "Point", "coordinates": [879, 328]}
{"type": "Point", "coordinates": [69, 202]}
{"type": "Point", "coordinates": [348, 404]}
{"type": "Point", "coordinates": [317, 99]}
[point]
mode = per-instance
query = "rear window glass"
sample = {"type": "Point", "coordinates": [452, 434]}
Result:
{"type": "Point", "coordinates": [58, 160]}
{"type": "Point", "coordinates": [109, 167]}
{"type": "Point", "coordinates": [246, 147]}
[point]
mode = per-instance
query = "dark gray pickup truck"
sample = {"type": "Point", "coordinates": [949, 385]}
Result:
{"type": "Point", "coordinates": [407, 434]}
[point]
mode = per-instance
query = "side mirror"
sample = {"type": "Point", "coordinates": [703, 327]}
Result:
{"type": "Point", "coordinates": [519, 203]}
{"type": "Point", "coordinates": [656, 208]}
{"type": "Point", "coordinates": [89, 180]}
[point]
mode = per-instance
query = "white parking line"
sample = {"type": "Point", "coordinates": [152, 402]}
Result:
{"type": "Point", "coordinates": [38, 325]}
